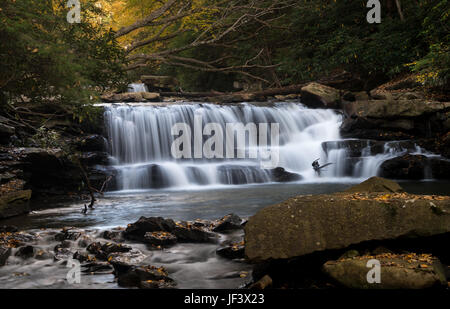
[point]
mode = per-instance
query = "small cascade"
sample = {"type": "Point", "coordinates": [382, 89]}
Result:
{"type": "Point", "coordinates": [141, 137]}
{"type": "Point", "coordinates": [137, 87]}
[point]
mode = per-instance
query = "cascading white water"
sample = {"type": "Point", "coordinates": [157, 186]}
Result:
{"type": "Point", "coordinates": [137, 88]}
{"type": "Point", "coordinates": [140, 144]}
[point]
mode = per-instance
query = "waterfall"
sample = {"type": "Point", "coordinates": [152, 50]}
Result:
{"type": "Point", "coordinates": [140, 146]}
{"type": "Point", "coordinates": [137, 88]}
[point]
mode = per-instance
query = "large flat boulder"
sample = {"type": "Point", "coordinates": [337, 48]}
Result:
{"type": "Point", "coordinates": [305, 224]}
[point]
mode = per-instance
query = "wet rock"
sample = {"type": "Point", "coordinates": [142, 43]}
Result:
{"type": "Point", "coordinates": [279, 174]}
{"type": "Point", "coordinates": [186, 232]}
{"type": "Point", "coordinates": [5, 252]}
{"type": "Point", "coordinates": [69, 234]}
{"type": "Point", "coordinates": [95, 158]}
{"type": "Point", "coordinates": [96, 268]}
{"type": "Point", "coordinates": [101, 251]}
{"type": "Point", "coordinates": [406, 271]}
{"type": "Point", "coordinates": [63, 251]}
{"type": "Point", "coordinates": [8, 229]}
{"type": "Point", "coordinates": [405, 167]}
{"type": "Point", "coordinates": [320, 96]}
{"type": "Point", "coordinates": [355, 148]}
{"type": "Point", "coordinates": [92, 143]}
{"type": "Point", "coordinates": [85, 241]}
{"type": "Point", "coordinates": [83, 257]}
{"type": "Point", "coordinates": [14, 203]}
{"type": "Point", "coordinates": [42, 254]}
{"type": "Point", "coordinates": [135, 275]}
{"type": "Point", "coordinates": [160, 239]}
{"type": "Point", "coordinates": [115, 235]}
{"type": "Point", "coordinates": [161, 284]}
{"type": "Point", "coordinates": [307, 224]}
{"type": "Point", "coordinates": [233, 251]}
{"type": "Point", "coordinates": [25, 252]}
{"type": "Point", "coordinates": [416, 167]}
{"type": "Point", "coordinates": [137, 230]}
{"type": "Point", "coordinates": [376, 184]}
{"type": "Point", "coordinates": [123, 261]}
{"type": "Point", "coordinates": [228, 223]}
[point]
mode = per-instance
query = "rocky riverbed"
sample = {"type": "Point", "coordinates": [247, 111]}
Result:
{"type": "Point", "coordinates": [320, 241]}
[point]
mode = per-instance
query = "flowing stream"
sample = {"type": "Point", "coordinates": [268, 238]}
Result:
{"type": "Point", "coordinates": [151, 182]}
{"type": "Point", "coordinates": [141, 138]}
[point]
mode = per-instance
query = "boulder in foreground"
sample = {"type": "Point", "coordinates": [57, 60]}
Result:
{"type": "Point", "coordinates": [305, 224]}
{"type": "Point", "coordinates": [397, 271]}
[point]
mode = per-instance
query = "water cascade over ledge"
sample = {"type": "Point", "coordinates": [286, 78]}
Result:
{"type": "Point", "coordinates": [140, 146]}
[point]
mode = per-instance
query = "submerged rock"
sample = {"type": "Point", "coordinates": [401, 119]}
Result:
{"type": "Point", "coordinates": [306, 224]}
{"type": "Point", "coordinates": [135, 276]}
{"type": "Point", "coordinates": [25, 252]}
{"type": "Point", "coordinates": [101, 251]}
{"type": "Point", "coordinates": [279, 174]}
{"type": "Point", "coordinates": [5, 252]}
{"type": "Point", "coordinates": [232, 251]}
{"type": "Point", "coordinates": [405, 271]}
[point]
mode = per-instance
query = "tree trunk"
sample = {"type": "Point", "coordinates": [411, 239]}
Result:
{"type": "Point", "coordinates": [399, 9]}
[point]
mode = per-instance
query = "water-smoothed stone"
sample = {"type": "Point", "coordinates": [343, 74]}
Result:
{"type": "Point", "coordinates": [186, 232]}
{"type": "Point", "coordinates": [403, 271]}
{"type": "Point", "coordinates": [160, 239]}
{"type": "Point", "coordinates": [137, 230]}
{"type": "Point", "coordinates": [115, 235]}
{"type": "Point", "coordinates": [305, 224]}
{"type": "Point", "coordinates": [123, 261]}
{"type": "Point", "coordinates": [96, 268]}
{"type": "Point", "coordinates": [5, 252]}
{"type": "Point", "coordinates": [25, 252]}
{"type": "Point", "coordinates": [279, 174]}
{"type": "Point", "coordinates": [228, 223]}
{"type": "Point", "coordinates": [102, 250]}
{"type": "Point", "coordinates": [135, 275]}
{"type": "Point", "coordinates": [232, 251]}
{"type": "Point", "coordinates": [69, 234]}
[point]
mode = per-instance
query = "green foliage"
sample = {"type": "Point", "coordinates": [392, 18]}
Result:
{"type": "Point", "coordinates": [50, 61]}
{"type": "Point", "coordinates": [314, 38]}
{"type": "Point", "coordinates": [434, 67]}
{"type": "Point", "coordinates": [46, 138]}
